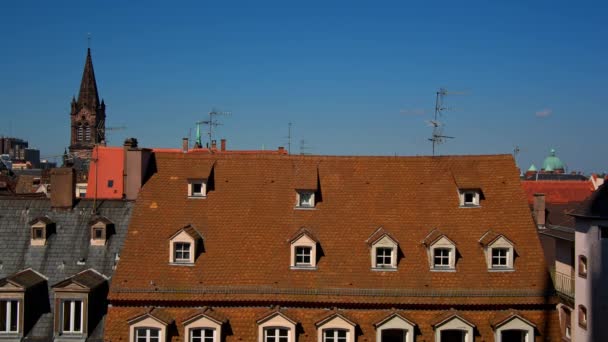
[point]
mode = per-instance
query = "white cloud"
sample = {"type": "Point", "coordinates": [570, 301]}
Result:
{"type": "Point", "coordinates": [543, 113]}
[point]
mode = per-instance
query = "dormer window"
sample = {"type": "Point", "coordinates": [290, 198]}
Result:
{"type": "Point", "coordinates": [441, 250]}
{"type": "Point", "coordinates": [41, 229]}
{"type": "Point", "coordinates": [303, 250]}
{"type": "Point", "coordinates": [197, 188]}
{"type": "Point", "coordinates": [383, 250]}
{"type": "Point", "coordinates": [101, 229]}
{"type": "Point", "coordinates": [305, 199]}
{"type": "Point", "coordinates": [470, 197]}
{"type": "Point", "coordinates": [499, 251]}
{"type": "Point", "coordinates": [184, 245]}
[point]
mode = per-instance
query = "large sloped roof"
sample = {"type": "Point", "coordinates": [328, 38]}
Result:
{"type": "Point", "coordinates": [66, 253]}
{"type": "Point", "coordinates": [249, 216]}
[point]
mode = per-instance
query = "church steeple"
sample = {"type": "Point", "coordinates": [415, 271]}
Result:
{"type": "Point", "coordinates": [88, 96]}
{"type": "Point", "coordinates": [87, 114]}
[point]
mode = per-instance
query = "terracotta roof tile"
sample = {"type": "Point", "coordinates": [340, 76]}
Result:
{"type": "Point", "coordinates": [558, 192]}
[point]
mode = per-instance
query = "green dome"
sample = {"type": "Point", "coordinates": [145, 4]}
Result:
{"type": "Point", "coordinates": [532, 168]}
{"type": "Point", "coordinates": [552, 163]}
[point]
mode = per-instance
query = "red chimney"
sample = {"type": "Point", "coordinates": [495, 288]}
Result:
{"type": "Point", "coordinates": [185, 145]}
{"type": "Point", "coordinates": [223, 144]}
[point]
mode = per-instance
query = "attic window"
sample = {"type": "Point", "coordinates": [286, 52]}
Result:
{"type": "Point", "coordinates": [184, 246]}
{"type": "Point", "coordinates": [470, 197]}
{"type": "Point", "coordinates": [499, 251]}
{"type": "Point", "coordinates": [101, 228]}
{"type": "Point", "coordinates": [303, 250]}
{"type": "Point", "coordinates": [305, 199]}
{"type": "Point", "coordinates": [383, 251]}
{"type": "Point", "coordinates": [40, 230]}
{"type": "Point", "coordinates": [197, 188]}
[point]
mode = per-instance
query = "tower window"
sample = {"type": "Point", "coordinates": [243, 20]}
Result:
{"type": "Point", "coordinates": [87, 134]}
{"type": "Point", "coordinates": [80, 133]}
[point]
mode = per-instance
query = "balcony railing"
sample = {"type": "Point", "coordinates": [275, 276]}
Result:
{"type": "Point", "coordinates": [563, 283]}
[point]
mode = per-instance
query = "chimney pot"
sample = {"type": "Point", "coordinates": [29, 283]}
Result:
{"type": "Point", "coordinates": [223, 144]}
{"type": "Point", "coordinates": [185, 145]}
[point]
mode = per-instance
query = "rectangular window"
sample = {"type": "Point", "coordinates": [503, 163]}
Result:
{"type": "Point", "coordinates": [87, 136]}
{"type": "Point", "coordinates": [500, 257]}
{"type": "Point", "coordinates": [441, 257]}
{"type": "Point", "coordinates": [98, 233]}
{"type": "Point", "coordinates": [384, 257]}
{"type": "Point", "coordinates": [306, 199]}
{"type": "Point", "coordinates": [582, 316]}
{"type": "Point", "coordinates": [334, 335]}
{"type": "Point", "coordinates": [147, 335]}
{"type": "Point", "coordinates": [469, 198]}
{"type": "Point", "coordinates": [38, 233]}
{"type": "Point", "coordinates": [72, 316]}
{"type": "Point", "coordinates": [276, 335]}
{"type": "Point", "coordinates": [202, 335]}
{"type": "Point", "coordinates": [196, 188]}
{"type": "Point", "coordinates": [303, 256]}
{"type": "Point", "coordinates": [110, 183]}
{"type": "Point", "coordinates": [181, 252]}
{"type": "Point", "coordinates": [9, 316]}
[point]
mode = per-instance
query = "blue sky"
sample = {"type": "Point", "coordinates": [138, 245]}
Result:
{"type": "Point", "coordinates": [353, 77]}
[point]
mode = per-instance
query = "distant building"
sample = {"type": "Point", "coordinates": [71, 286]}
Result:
{"type": "Point", "coordinates": [14, 147]}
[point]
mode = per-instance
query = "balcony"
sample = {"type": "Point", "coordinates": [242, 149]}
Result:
{"type": "Point", "coordinates": [563, 283]}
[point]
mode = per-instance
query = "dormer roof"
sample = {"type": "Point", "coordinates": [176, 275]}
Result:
{"type": "Point", "coordinates": [157, 314]}
{"type": "Point", "coordinates": [378, 234]}
{"type": "Point", "coordinates": [303, 231]}
{"type": "Point", "coordinates": [190, 230]}
{"type": "Point", "coordinates": [502, 318]}
{"type": "Point", "coordinates": [44, 219]}
{"type": "Point", "coordinates": [447, 316]}
{"type": "Point", "coordinates": [87, 279]}
{"type": "Point", "coordinates": [335, 314]}
{"type": "Point", "coordinates": [392, 315]}
{"type": "Point", "coordinates": [101, 219]}
{"type": "Point", "coordinates": [275, 311]}
{"type": "Point", "coordinates": [305, 175]}
{"type": "Point", "coordinates": [434, 236]}
{"type": "Point", "coordinates": [24, 279]}
{"type": "Point", "coordinates": [208, 313]}
{"type": "Point", "coordinates": [490, 237]}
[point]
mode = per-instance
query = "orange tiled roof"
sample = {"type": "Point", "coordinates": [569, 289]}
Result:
{"type": "Point", "coordinates": [249, 215]}
{"type": "Point", "coordinates": [558, 192]}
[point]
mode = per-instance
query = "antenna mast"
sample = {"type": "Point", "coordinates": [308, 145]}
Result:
{"type": "Point", "coordinates": [289, 138]}
{"type": "Point", "coordinates": [212, 122]}
{"type": "Point", "coordinates": [438, 138]}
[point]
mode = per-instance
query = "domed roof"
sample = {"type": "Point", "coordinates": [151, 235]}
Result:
{"type": "Point", "coordinates": [552, 163]}
{"type": "Point", "coordinates": [532, 168]}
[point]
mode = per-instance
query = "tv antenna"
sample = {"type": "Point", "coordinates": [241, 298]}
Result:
{"type": "Point", "coordinates": [102, 129]}
{"type": "Point", "coordinates": [212, 122]}
{"type": "Point", "coordinates": [289, 138]}
{"type": "Point", "coordinates": [438, 137]}
{"type": "Point", "coordinates": [304, 147]}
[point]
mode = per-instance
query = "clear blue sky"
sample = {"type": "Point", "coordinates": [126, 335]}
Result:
{"type": "Point", "coordinates": [354, 77]}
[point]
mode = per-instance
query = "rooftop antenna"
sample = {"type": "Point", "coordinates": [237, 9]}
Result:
{"type": "Point", "coordinates": [438, 137]}
{"type": "Point", "coordinates": [212, 122]}
{"type": "Point", "coordinates": [304, 147]}
{"type": "Point", "coordinates": [289, 138]}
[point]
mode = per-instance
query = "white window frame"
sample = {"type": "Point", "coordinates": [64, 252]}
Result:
{"type": "Point", "coordinates": [443, 254]}
{"type": "Point", "coordinates": [381, 254]}
{"type": "Point", "coordinates": [443, 243]}
{"type": "Point", "coordinates": [336, 322]}
{"type": "Point", "coordinates": [202, 322]}
{"type": "Point", "coordinates": [500, 243]}
{"type": "Point", "coordinates": [303, 252]}
{"type": "Point", "coordinates": [192, 183]}
{"type": "Point", "coordinates": [308, 204]}
{"type": "Point", "coordinates": [276, 321]}
{"type": "Point", "coordinates": [385, 242]}
{"type": "Point", "coordinates": [500, 257]}
{"type": "Point", "coordinates": [455, 323]}
{"type": "Point", "coordinates": [147, 335]}
{"type": "Point", "coordinates": [182, 237]}
{"type": "Point", "coordinates": [42, 240]}
{"type": "Point", "coordinates": [335, 332]}
{"type": "Point", "coordinates": [304, 241]}
{"type": "Point", "coordinates": [475, 200]}
{"type": "Point", "coordinates": [515, 323]}
{"type": "Point", "coordinates": [182, 260]}
{"type": "Point", "coordinates": [396, 322]}
{"type": "Point", "coordinates": [277, 330]}
{"type": "Point", "coordinates": [202, 338]}
{"type": "Point", "coordinates": [72, 309]}
{"type": "Point", "coordinates": [6, 303]}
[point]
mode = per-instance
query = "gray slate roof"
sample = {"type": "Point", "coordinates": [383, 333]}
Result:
{"type": "Point", "coordinates": [67, 251]}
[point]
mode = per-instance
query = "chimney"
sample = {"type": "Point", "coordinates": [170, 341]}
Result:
{"type": "Point", "coordinates": [63, 187]}
{"type": "Point", "coordinates": [185, 145]}
{"type": "Point", "coordinates": [281, 149]}
{"type": "Point", "coordinates": [213, 144]}
{"type": "Point", "coordinates": [539, 210]}
{"type": "Point", "coordinates": [223, 144]}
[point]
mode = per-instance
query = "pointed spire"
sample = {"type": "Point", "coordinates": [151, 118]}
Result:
{"type": "Point", "coordinates": [88, 96]}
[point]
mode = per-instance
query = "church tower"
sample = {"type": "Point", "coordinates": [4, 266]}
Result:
{"type": "Point", "coordinates": [87, 115]}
